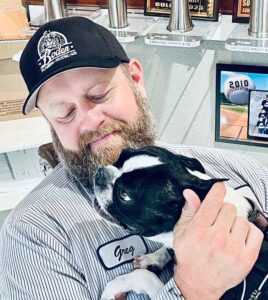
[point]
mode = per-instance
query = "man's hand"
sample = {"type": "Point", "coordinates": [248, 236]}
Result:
{"type": "Point", "coordinates": [215, 249]}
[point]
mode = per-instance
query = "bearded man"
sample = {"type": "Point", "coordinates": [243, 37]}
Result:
{"type": "Point", "coordinates": [54, 244]}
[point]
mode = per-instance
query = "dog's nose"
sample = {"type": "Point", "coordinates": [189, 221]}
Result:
{"type": "Point", "coordinates": [101, 177]}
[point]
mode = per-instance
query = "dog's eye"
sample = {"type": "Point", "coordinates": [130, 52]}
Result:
{"type": "Point", "coordinates": [123, 195]}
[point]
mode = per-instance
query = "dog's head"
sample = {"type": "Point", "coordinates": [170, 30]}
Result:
{"type": "Point", "coordinates": [143, 190]}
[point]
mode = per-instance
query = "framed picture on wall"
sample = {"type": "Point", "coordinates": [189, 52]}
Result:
{"type": "Point", "coordinates": [258, 115]}
{"type": "Point", "coordinates": [241, 11]}
{"type": "Point", "coordinates": [199, 9]}
{"type": "Point", "coordinates": [237, 88]}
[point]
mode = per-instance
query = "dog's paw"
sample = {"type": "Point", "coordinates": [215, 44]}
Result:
{"type": "Point", "coordinates": [143, 261]}
{"type": "Point", "coordinates": [115, 289]}
{"type": "Point", "coordinates": [117, 297]}
{"type": "Point", "coordinates": [121, 296]}
{"type": "Point", "coordinates": [154, 262]}
{"type": "Point", "coordinates": [110, 291]}
{"type": "Point", "coordinates": [148, 261]}
{"type": "Point", "coordinates": [138, 281]}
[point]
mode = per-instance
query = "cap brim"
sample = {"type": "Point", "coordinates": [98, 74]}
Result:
{"type": "Point", "coordinates": [30, 102]}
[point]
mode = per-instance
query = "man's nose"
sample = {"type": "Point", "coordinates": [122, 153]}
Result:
{"type": "Point", "coordinates": [91, 119]}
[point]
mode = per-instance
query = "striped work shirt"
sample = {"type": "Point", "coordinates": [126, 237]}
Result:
{"type": "Point", "coordinates": [55, 246]}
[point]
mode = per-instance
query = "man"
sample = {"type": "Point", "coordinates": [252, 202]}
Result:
{"type": "Point", "coordinates": [54, 245]}
{"type": "Point", "coordinates": [262, 114]}
{"type": "Point", "coordinates": [261, 125]}
{"type": "Point", "coordinates": [265, 104]}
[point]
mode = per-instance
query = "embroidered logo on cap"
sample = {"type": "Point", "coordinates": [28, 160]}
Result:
{"type": "Point", "coordinates": [52, 47]}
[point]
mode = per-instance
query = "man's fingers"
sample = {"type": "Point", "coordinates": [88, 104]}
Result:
{"type": "Point", "coordinates": [226, 217]}
{"type": "Point", "coordinates": [240, 228]}
{"type": "Point", "coordinates": [211, 205]}
{"type": "Point", "coordinates": [190, 208]}
{"type": "Point", "coordinates": [254, 239]}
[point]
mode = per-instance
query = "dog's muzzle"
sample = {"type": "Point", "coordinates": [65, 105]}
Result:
{"type": "Point", "coordinates": [106, 175]}
{"type": "Point", "coordinates": [102, 177]}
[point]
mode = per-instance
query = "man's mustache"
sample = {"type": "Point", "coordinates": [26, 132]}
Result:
{"type": "Point", "coordinates": [88, 137]}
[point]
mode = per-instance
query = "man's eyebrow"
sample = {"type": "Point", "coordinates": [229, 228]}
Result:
{"type": "Point", "coordinates": [94, 84]}
{"type": "Point", "coordinates": [57, 104]}
{"type": "Point", "coordinates": [87, 89]}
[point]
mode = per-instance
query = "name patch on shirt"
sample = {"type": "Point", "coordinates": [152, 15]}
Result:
{"type": "Point", "coordinates": [121, 251]}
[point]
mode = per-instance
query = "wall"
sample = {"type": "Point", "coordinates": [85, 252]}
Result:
{"type": "Point", "coordinates": [181, 87]}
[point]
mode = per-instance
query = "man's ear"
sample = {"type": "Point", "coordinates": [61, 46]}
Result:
{"type": "Point", "coordinates": [136, 73]}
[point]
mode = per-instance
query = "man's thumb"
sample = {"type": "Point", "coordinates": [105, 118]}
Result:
{"type": "Point", "coordinates": [190, 208]}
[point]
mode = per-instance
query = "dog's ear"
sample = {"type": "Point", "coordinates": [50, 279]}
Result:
{"type": "Point", "coordinates": [125, 155]}
{"type": "Point", "coordinates": [193, 164]}
{"type": "Point", "coordinates": [202, 187]}
{"type": "Point", "coordinates": [163, 154]}
{"type": "Point", "coordinates": [167, 156]}
{"type": "Point", "coordinates": [129, 152]}
{"type": "Point", "coordinates": [156, 151]}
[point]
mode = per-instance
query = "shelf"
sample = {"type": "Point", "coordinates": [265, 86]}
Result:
{"type": "Point", "coordinates": [154, 30]}
{"type": "Point", "coordinates": [159, 35]}
{"type": "Point", "coordinates": [155, 33]}
{"type": "Point", "coordinates": [240, 40]}
{"type": "Point", "coordinates": [138, 24]}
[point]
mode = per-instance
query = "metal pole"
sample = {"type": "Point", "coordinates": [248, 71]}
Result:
{"type": "Point", "coordinates": [180, 16]}
{"type": "Point", "coordinates": [55, 9]}
{"type": "Point", "coordinates": [117, 13]}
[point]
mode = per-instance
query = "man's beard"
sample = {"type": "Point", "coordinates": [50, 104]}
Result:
{"type": "Point", "coordinates": [83, 164]}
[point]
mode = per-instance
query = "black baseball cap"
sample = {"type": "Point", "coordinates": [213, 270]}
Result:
{"type": "Point", "coordinates": [65, 44]}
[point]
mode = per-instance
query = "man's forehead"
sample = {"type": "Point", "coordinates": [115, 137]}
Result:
{"type": "Point", "coordinates": [82, 79]}
{"type": "Point", "coordinates": [92, 74]}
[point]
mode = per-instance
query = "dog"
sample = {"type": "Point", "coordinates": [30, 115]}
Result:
{"type": "Point", "coordinates": [142, 192]}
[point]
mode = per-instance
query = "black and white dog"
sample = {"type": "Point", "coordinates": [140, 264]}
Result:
{"type": "Point", "coordinates": [142, 192]}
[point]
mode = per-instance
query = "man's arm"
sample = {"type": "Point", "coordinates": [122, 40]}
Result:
{"type": "Point", "coordinates": [35, 269]}
{"type": "Point", "coordinates": [36, 265]}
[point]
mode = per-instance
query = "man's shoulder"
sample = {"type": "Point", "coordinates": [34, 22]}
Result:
{"type": "Point", "coordinates": [177, 148]}
{"type": "Point", "coordinates": [188, 150]}
{"type": "Point", "coordinates": [215, 159]}
{"type": "Point", "coordinates": [210, 155]}
{"type": "Point", "coordinates": [57, 180]}
{"type": "Point", "coordinates": [203, 154]}
{"type": "Point", "coordinates": [50, 194]}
